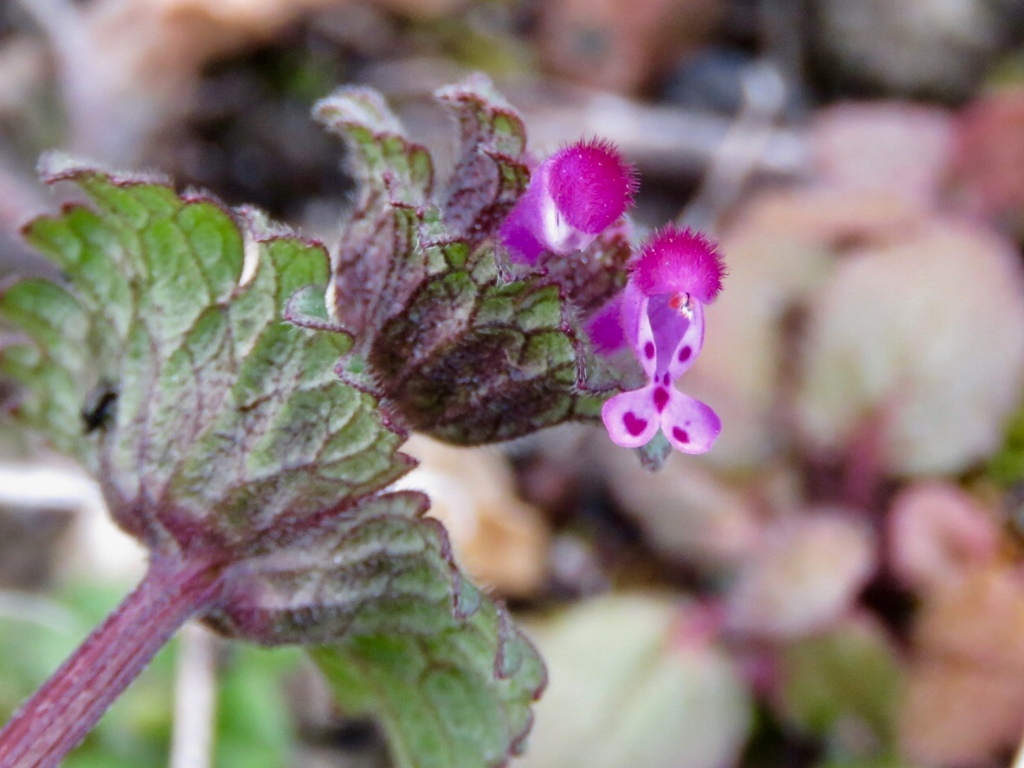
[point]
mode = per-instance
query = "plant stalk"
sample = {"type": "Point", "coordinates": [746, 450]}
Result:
{"type": "Point", "coordinates": [59, 715]}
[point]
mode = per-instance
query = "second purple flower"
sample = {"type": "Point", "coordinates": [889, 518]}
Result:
{"type": "Point", "coordinates": [676, 273]}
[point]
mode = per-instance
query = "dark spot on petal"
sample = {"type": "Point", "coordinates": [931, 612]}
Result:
{"type": "Point", "coordinates": [684, 354]}
{"type": "Point", "coordinates": [680, 435]}
{"type": "Point", "coordinates": [665, 379]}
{"type": "Point", "coordinates": [633, 424]}
{"type": "Point", "coordinates": [660, 398]}
{"type": "Point", "coordinates": [649, 349]}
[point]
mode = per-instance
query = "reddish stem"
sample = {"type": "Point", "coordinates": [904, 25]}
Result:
{"type": "Point", "coordinates": [59, 715]}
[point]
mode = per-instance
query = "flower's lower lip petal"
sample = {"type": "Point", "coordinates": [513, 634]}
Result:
{"type": "Point", "coordinates": [690, 425]}
{"type": "Point", "coordinates": [631, 418]}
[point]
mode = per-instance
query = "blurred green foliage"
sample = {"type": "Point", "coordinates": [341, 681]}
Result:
{"type": "Point", "coordinates": [253, 728]}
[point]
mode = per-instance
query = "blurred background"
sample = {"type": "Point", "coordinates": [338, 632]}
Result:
{"type": "Point", "coordinates": [838, 583]}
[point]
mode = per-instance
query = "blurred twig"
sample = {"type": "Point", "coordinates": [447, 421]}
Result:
{"type": "Point", "coordinates": [782, 31]}
{"type": "Point", "coordinates": [742, 151]}
{"type": "Point", "coordinates": [105, 550]}
{"type": "Point", "coordinates": [195, 692]}
{"type": "Point", "coordinates": [663, 139]}
{"type": "Point", "coordinates": [52, 487]}
{"type": "Point", "coordinates": [668, 141]}
{"type": "Point", "coordinates": [33, 609]}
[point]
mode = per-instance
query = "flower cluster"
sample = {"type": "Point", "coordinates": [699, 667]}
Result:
{"type": "Point", "coordinates": [662, 311]}
{"type": "Point", "coordinates": [575, 195]}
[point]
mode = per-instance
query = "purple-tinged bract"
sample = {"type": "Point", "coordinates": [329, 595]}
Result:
{"type": "Point", "coordinates": [604, 328]}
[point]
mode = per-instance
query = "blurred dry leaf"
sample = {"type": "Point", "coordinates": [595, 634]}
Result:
{"type": "Point", "coordinates": [420, 9]}
{"type": "Point", "coordinates": [926, 334]}
{"type": "Point", "coordinates": [667, 141]}
{"type": "Point", "coordinates": [500, 540]}
{"type": "Point", "coordinates": [780, 248]}
{"type": "Point", "coordinates": [990, 153]}
{"type": "Point", "coordinates": [24, 69]}
{"type": "Point", "coordinates": [936, 533]}
{"type": "Point", "coordinates": [129, 67]}
{"type": "Point", "coordinates": [965, 698]}
{"type": "Point", "coordinates": [878, 175]}
{"type": "Point", "coordinates": [635, 681]}
{"type": "Point", "coordinates": [892, 147]}
{"type": "Point", "coordinates": [910, 48]}
{"type": "Point", "coordinates": [686, 513]}
{"type": "Point", "coordinates": [803, 578]}
{"type": "Point", "coordinates": [620, 44]}
{"type": "Point", "coordinates": [829, 215]}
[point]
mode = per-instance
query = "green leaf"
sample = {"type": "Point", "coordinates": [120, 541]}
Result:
{"type": "Point", "coordinates": [377, 264]}
{"type": "Point", "coordinates": [188, 360]}
{"type": "Point", "coordinates": [221, 417]}
{"type": "Point", "coordinates": [474, 359]}
{"type": "Point", "coordinates": [1007, 465]}
{"type": "Point", "coordinates": [453, 697]}
{"type": "Point", "coordinates": [255, 726]}
{"type": "Point", "coordinates": [844, 686]}
{"type": "Point", "coordinates": [444, 670]}
{"type": "Point", "coordinates": [490, 173]}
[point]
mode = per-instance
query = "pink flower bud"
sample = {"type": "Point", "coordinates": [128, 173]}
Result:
{"type": "Point", "coordinates": [573, 196]}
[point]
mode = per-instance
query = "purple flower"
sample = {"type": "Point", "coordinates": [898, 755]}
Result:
{"type": "Point", "coordinates": [662, 315]}
{"type": "Point", "coordinates": [573, 196]}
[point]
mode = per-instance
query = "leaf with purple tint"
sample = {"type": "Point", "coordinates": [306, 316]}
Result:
{"type": "Point", "coordinates": [595, 275]}
{"type": "Point", "coordinates": [223, 422]}
{"type": "Point", "coordinates": [395, 179]}
{"type": "Point", "coordinates": [187, 358]}
{"type": "Point", "coordinates": [455, 347]}
{"type": "Point", "coordinates": [491, 172]}
{"type": "Point", "coordinates": [476, 360]}
{"type": "Point", "coordinates": [454, 698]}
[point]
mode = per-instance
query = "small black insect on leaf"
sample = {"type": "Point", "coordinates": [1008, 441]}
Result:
{"type": "Point", "coordinates": [98, 409]}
